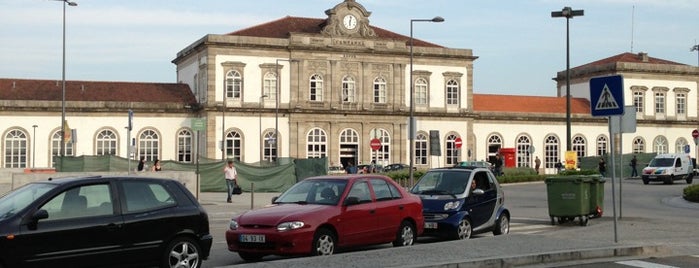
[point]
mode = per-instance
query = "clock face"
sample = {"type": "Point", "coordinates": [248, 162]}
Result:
{"type": "Point", "coordinates": [350, 22]}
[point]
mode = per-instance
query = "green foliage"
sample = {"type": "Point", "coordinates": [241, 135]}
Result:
{"type": "Point", "coordinates": [691, 193]}
{"type": "Point", "coordinates": [579, 172]}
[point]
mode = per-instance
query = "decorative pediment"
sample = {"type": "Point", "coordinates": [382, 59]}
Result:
{"type": "Point", "coordinates": [348, 19]}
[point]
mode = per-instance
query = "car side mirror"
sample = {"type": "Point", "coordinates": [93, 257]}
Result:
{"type": "Point", "coordinates": [352, 200]}
{"type": "Point", "coordinates": [40, 214]}
{"type": "Point", "coordinates": [478, 192]}
{"type": "Point", "coordinates": [274, 199]}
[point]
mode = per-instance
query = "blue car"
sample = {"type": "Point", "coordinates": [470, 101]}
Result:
{"type": "Point", "coordinates": [461, 201]}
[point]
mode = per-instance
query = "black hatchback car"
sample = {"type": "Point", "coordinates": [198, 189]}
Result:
{"type": "Point", "coordinates": [103, 222]}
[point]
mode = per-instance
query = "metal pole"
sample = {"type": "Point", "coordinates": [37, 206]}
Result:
{"type": "Point", "coordinates": [611, 135]}
{"type": "Point", "coordinates": [696, 48]}
{"type": "Point", "coordinates": [223, 122]}
{"type": "Point", "coordinates": [276, 111]}
{"type": "Point", "coordinates": [34, 147]}
{"type": "Point", "coordinates": [260, 128]}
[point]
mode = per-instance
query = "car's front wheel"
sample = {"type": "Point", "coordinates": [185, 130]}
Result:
{"type": "Point", "coordinates": [406, 235]}
{"type": "Point", "coordinates": [323, 242]}
{"type": "Point", "coordinates": [182, 252]}
{"type": "Point", "coordinates": [502, 225]}
{"type": "Point", "coordinates": [463, 231]}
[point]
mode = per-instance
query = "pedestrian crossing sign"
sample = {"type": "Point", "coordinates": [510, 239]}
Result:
{"type": "Point", "coordinates": [607, 95]}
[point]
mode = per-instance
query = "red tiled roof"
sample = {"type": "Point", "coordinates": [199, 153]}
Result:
{"type": "Point", "coordinates": [51, 90]}
{"type": "Point", "coordinates": [629, 57]}
{"type": "Point", "coordinates": [282, 27]}
{"type": "Point", "coordinates": [528, 104]}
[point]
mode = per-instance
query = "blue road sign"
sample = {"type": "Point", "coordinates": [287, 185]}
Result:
{"type": "Point", "coordinates": [607, 95]}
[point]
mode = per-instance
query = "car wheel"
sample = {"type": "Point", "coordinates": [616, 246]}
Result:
{"type": "Point", "coordinates": [502, 225]}
{"type": "Point", "coordinates": [182, 252]}
{"type": "Point", "coordinates": [406, 235]}
{"type": "Point", "coordinates": [250, 257]}
{"type": "Point", "coordinates": [323, 242]}
{"type": "Point", "coordinates": [463, 231]}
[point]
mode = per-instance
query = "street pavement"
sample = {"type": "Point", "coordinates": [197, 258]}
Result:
{"type": "Point", "coordinates": [647, 237]}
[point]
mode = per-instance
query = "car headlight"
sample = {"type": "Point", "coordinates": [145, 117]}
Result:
{"type": "Point", "coordinates": [233, 225]}
{"type": "Point", "coordinates": [287, 226]}
{"type": "Point", "coordinates": [451, 205]}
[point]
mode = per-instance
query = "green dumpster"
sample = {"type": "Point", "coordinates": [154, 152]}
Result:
{"type": "Point", "coordinates": [597, 196]}
{"type": "Point", "coordinates": [568, 198]}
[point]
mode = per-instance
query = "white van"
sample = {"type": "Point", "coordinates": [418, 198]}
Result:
{"type": "Point", "coordinates": [668, 168]}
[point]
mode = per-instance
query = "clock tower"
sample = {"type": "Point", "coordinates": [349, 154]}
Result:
{"type": "Point", "coordinates": [348, 19]}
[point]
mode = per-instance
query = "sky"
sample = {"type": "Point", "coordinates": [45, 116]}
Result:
{"type": "Point", "coordinates": [519, 46]}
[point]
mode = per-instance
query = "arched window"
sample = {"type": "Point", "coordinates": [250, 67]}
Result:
{"type": "Point", "coordinates": [494, 144]}
{"type": "Point", "coordinates": [380, 88]}
{"type": "Point", "coordinates": [316, 89]}
{"type": "Point", "coordinates": [349, 91]}
{"type": "Point", "coordinates": [680, 144]}
{"type": "Point", "coordinates": [639, 145]}
{"type": "Point", "coordinates": [234, 143]}
{"type": "Point", "coordinates": [601, 145]}
{"type": "Point", "coordinates": [524, 158]}
{"type": "Point", "coordinates": [106, 143]}
{"type": "Point", "coordinates": [16, 149]}
{"type": "Point", "coordinates": [551, 149]}
{"type": "Point", "coordinates": [660, 145]}
{"type": "Point", "coordinates": [149, 145]}
{"type": "Point", "coordinates": [420, 91]}
{"type": "Point", "coordinates": [234, 85]}
{"type": "Point", "coordinates": [421, 149]}
{"type": "Point", "coordinates": [269, 150]}
{"type": "Point", "coordinates": [317, 143]}
{"type": "Point", "coordinates": [56, 147]}
{"type": "Point", "coordinates": [269, 86]}
{"type": "Point", "coordinates": [349, 147]}
{"type": "Point", "coordinates": [451, 152]}
{"type": "Point", "coordinates": [452, 92]}
{"type": "Point", "coordinates": [382, 155]}
{"type": "Point", "coordinates": [579, 146]}
{"type": "Point", "coordinates": [184, 146]}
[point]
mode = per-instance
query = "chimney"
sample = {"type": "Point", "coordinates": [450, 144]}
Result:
{"type": "Point", "coordinates": [643, 56]}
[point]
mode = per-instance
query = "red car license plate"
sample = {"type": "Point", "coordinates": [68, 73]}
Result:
{"type": "Point", "coordinates": [249, 238]}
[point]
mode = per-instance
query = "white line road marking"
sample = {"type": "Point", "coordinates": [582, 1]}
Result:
{"type": "Point", "coordinates": [644, 264]}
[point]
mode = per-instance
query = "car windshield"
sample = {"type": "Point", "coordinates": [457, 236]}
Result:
{"type": "Point", "coordinates": [326, 192]}
{"type": "Point", "coordinates": [661, 162]}
{"type": "Point", "coordinates": [20, 198]}
{"type": "Point", "coordinates": [442, 182]}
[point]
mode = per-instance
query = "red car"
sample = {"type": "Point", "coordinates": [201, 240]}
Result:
{"type": "Point", "coordinates": [318, 215]}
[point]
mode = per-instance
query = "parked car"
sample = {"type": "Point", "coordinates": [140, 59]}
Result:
{"type": "Point", "coordinates": [396, 167]}
{"type": "Point", "coordinates": [461, 201]}
{"type": "Point", "coordinates": [319, 215]}
{"type": "Point", "coordinates": [336, 170]}
{"type": "Point", "coordinates": [102, 222]}
{"type": "Point", "coordinates": [668, 168]}
{"type": "Point", "coordinates": [362, 169]}
{"type": "Point", "coordinates": [483, 164]}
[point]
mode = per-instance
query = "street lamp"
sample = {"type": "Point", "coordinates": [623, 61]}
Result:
{"type": "Point", "coordinates": [411, 123]}
{"type": "Point", "coordinates": [63, 83]}
{"type": "Point", "coordinates": [695, 48]}
{"type": "Point", "coordinates": [276, 107]}
{"type": "Point", "coordinates": [568, 13]}
{"type": "Point", "coordinates": [260, 133]}
{"type": "Point", "coordinates": [34, 147]}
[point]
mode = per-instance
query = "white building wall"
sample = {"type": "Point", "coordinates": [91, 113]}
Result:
{"type": "Point", "coordinates": [437, 85]}
{"type": "Point", "coordinates": [253, 77]}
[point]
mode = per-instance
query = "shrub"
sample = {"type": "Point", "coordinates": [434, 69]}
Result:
{"type": "Point", "coordinates": [691, 193]}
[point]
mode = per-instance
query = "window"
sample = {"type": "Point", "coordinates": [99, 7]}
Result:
{"type": "Point", "coordinates": [360, 190]}
{"type": "Point", "coordinates": [149, 145]}
{"type": "Point", "coordinates": [681, 101]}
{"type": "Point", "coordinates": [638, 101]}
{"type": "Point", "coordinates": [269, 86]}
{"type": "Point", "coordinates": [384, 190]}
{"type": "Point", "coordinates": [659, 102]}
{"type": "Point", "coordinates": [524, 144]}
{"type": "Point", "coordinates": [144, 196]}
{"type": "Point", "coordinates": [184, 146]}
{"type": "Point", "coordinates": [316, 90]}
{"type": "Point", "coordinates": [551, 157]}
{"type": "Point", "coordinates": [380, 88]}
{"type": "Point", "coordinates": [16, 149]}
{"type": "Point", "coordinates": [317, 143]}
{"type": "Point", "coordinates": [452, 153]}
{"type": "Point", "coordinates": [660, 145]}
{"type": "Point", "coordinates": [420, 92]}
{"type": "Point", "coordinates": [56, 147]}
{"type": "Point", "coordinates": [638, 145]}
{"type": "Point", "coordinates": [601, 145]}
{"type": "Point", "coordinates": [106, 143]}
{"type": "Point", "coordinates": [233, 145]}
{"type": "Point", "coordinates": [79, 202]}
{"type": "Point", "coordinates": [494, 144]}
{"type": "Point", "coordinates": [234, 85]}
{"type": "Point", "coordinates": [269, 150]}
{"type": "Point", "coordinates": [382, 155]}
{"type": "Point", "coordinates": [349, 91]}
{"type": "Point", "coordinates": [680, 144]}
{"type": "Point", "coordinates": [579, 146]}
{"type": "Point", "coordinates": [421, 149]}
{"type": "Point", "coordinates": [452, 92]}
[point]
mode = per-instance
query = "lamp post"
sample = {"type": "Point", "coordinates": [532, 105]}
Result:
{"type": "Point", "coordinates": [34, 147]}
{"type": "Point", "coordinates": [411, 123]}
{"type": "Point", "coordinates": [695, 48]}
{"type": "Point", "coordinates": [276, 107]}
{"type": "Point", "coordinates": [63, 83]}
{"type": "Point", "coordinates": [260, 133]}
{"type": "Point", "coordinates": [567, 13]}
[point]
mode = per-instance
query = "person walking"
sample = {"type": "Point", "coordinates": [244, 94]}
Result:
{"type": "Point", "coordinates": [602, 166]}
{"type": "Point", "coordinates": [156, 165]}
{"type": "Point", "coordinates": [537, 165]}
{"type": "Point", "coordinates": [231, 175]}
{"type": "Point", "coordinates": [634, 171]}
